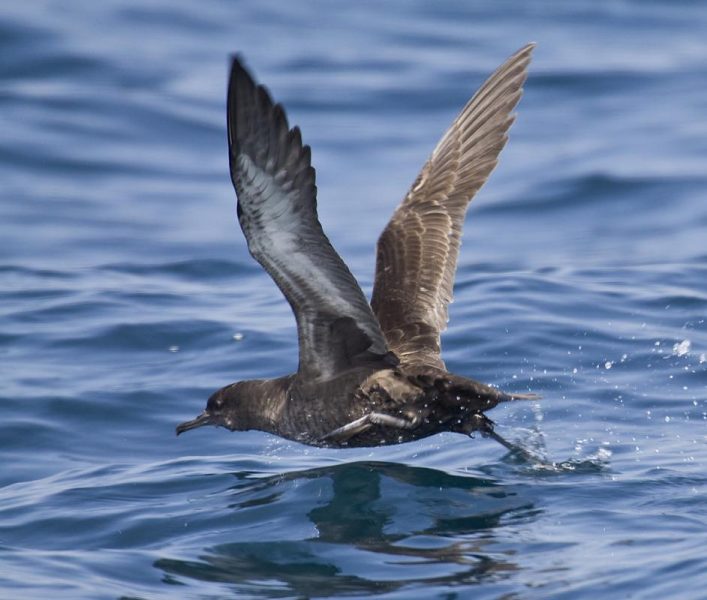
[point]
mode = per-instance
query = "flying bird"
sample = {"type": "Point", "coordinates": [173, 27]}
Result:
{"type": "Point", "coordinates": [368, 374]}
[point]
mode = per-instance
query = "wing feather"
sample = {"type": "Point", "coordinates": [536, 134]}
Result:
{"type": "Point", "coordinates": [418, 250]}
{"type": "Point", "coordinates": [275, 183]}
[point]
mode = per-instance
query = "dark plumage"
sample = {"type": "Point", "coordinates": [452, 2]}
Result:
{"type": "Point", "coordinates": [368, 374]}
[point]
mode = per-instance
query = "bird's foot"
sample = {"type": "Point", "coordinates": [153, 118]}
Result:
{"type": "Point", "coordinates": [486, 427]}
{"type": "Point", "coordinates": [346, 432]}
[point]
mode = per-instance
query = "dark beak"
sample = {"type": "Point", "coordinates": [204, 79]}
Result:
{"type": "Point", "coordinates": [203, 419]}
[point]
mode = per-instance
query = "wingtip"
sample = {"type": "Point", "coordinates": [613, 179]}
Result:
{"type": "Point", "coordinates": [523, 53]}
{"type": "Point", "coordinates": [236, 59]}
{"type": "Point", "coordinates": [240, 84]}
{"type": "Point", "coordinates": [238, 70]}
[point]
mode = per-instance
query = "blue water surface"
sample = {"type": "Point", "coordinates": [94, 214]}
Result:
{"type": "Point", "coordinates": [127, 296]}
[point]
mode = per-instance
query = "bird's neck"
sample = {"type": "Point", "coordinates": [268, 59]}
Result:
{"type": "Point", "coordinates": [262, 403]}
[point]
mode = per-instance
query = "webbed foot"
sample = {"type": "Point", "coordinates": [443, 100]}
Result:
{"type": "Point", "coordinates": [485, 426]}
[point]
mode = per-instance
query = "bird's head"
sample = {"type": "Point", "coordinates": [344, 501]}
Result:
{"type": "Point", "coordinates": [223, 409]}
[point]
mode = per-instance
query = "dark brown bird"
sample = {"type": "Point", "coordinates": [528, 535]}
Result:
{"type": "Point", "coordinates": [368, 374]}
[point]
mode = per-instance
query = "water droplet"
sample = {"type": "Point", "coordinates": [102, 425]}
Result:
{"type": "Point", "coordinates": [238, 336]}
{"type": "Point", "coordinates": [174, 348]}
{"type": "Point", "coordinates": [608, 364]}
{"type": "Point", "coordinates": [681, 348]}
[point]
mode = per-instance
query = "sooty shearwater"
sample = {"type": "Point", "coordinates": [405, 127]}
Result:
{"type": "Point", "coordinates": [368, 374]}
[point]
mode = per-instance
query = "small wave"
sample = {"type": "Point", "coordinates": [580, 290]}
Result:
{"type": "Point", "coordinates": [209, 269]}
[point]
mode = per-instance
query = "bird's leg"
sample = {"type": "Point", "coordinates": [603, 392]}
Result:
{"type": "Point", "coordinates": [346, 432]}
{"type": "Point", "coordinates": [485, 426]}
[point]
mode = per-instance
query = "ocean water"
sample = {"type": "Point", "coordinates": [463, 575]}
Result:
{"type": "Point", "coordinates": [127, 296]}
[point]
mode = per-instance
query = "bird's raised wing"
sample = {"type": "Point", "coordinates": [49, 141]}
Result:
{"type": "Point", "coordinates": [418, 250]}
{"type": "Point", "coordinates": [277, 210]}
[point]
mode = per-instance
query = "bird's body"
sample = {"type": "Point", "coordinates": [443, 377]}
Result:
{"type": "Point", "coordinates": [419, 402]}
{"type": "Point", "coordinates": [368, 374]}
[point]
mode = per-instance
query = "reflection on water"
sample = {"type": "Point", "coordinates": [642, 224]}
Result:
{"type": "Point", "coordinates": [371, 523]}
